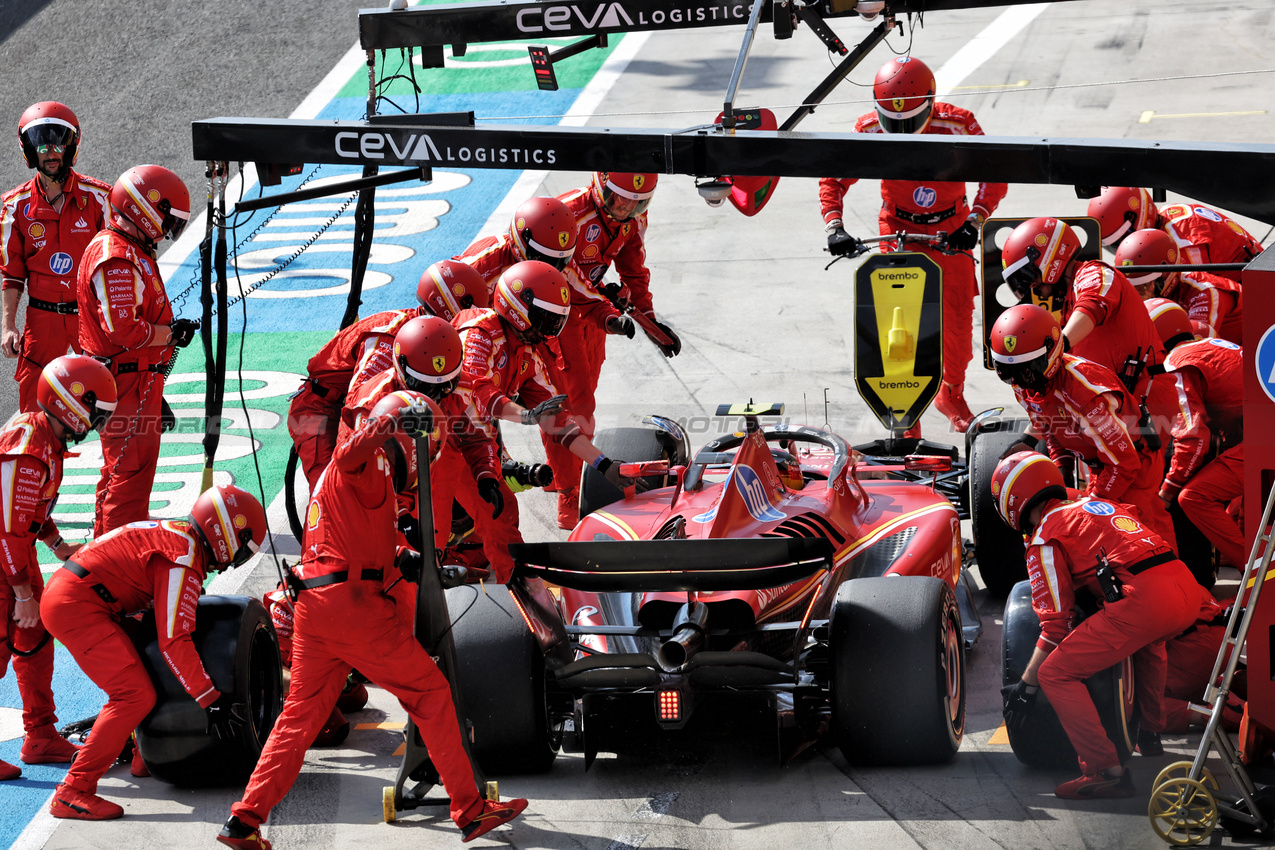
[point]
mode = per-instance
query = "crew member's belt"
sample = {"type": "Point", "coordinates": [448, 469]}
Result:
{"type": "Point", "coordinates": [924, 218]}
{"type": "Point", "coordinates": [66, 308]}
{"type": "Point", "coordinates": [128, 368]}
{"type": "Point", "coordinates": [1147, 563]}
{"type": "Point", "coordinates": [100, 589]}
{"type": "Point", "coordinates": [300, 584]}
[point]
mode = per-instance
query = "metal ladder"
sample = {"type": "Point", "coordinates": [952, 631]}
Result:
{"type": "Point", "coordinates": [1183, 809]}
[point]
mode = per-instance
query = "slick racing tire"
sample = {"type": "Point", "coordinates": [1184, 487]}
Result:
{"type": "Point", "coordinates": [998, 548]}
{"type": "Point", "coordinates": [237, 644]}
{"type": "Point", "coordinates": [898, 671]}
{"type": "Point", "coordinates": [1043, 742]}
{"type": "Point", "coordinates": [502, 677]}
{"type": "Point", "coordinates": [623, 445]}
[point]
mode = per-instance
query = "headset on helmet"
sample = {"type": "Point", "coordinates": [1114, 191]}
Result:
{"type": "Point", "coordinates": [1026, 347]}
{"type": "Point", "coordinates": [400, 448]}
{"type": "Point", "coordinates": [1172, 324]}
{"type": "Point", "coordinates": [1021, 482]}
{"type": "Point", "coordinates": [534, 298]}
{"type": "Point", "coordinates": [623, 195]}
{"type": "Point", "coordinates": [1148, 247]}
{"type": "Point", "coordinates": [1036, 254]}
{"type": "Point", "coordinates": [78, 391]}
{"type": "Point", "coordinates": [49, 125]}
{"type": "Point", "coordinates": [231, 522]}
{"type": "Point", "coordinates": [1120, 210]}
{"type": "Point", "coordinates": [427, 356]}
{"type": "Point", "coordinates": [449, 286]}
{"type": "Point", "coordinates": [153, 199]}
{"type": "Point", "coordinates": [904, 92]}
{"type": "Point", "coordinates": [544, 229]}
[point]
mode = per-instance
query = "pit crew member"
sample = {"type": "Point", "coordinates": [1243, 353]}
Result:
{"type": "Point", "coordinates": [161, 564]}
{"type": "Point", "coordinates": [904, 93]}
{"type": "Point", "coordinates": [1213, 303]}
{"type": "Point", "coordinates": [541, 229]}
{"type": "Point", "coordinates": [45, 224]}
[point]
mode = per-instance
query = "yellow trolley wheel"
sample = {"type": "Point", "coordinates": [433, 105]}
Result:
{"type": "Point", "coordinates": [1182, 770]}
{"type": "Point", "coordinates": [1182, 811]}
{"type": "Point", "coordinates": [388, 809]}
{"type": "Point", "coordinates": [491, 791]}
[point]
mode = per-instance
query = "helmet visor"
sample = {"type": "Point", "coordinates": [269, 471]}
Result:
{"type": "Point", "coordinates": [1027, 374]}
{"type": "Point", "coordinates": [49, 137]}
{"type": "Point", "coordinates": [913, 121]}
{"type": "Point", "coordinates": [174, 220]}
{"type": "Point", "coordinates": [620, 207]}
{"type": "Point", "coordinates": [547, 323]}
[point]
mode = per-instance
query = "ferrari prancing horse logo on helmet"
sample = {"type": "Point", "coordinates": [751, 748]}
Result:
{"type": "Point", "coordinates": [638, 180]}
{"type": "Point", "coordinates": [439, 363]}
{"type": "Point", "coordinates": [563, 238]}
{"type": "Point", "coordinates": [899, 104]}
{"type": "Point", "coordinates": [1011, 342]}
{"type": "Point", "coordinates": [566, 296]}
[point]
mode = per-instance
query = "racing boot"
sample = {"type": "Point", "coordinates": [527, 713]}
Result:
{"type": "Point", "coordinates": [1149, 743]}
{"type": "Point", "coordinates": [492, 815]}
{"type": "Point", "coordinates": [9, 771]}
{"type": "Point", "coordinates": [568, 509]}
{"type": "Point", "coordinates": [913, 433]}
{"type": "Point", "coordinates": [335, 730]}
{"type": "Point", "coordinates": [1093, 786]}
{"type": "Point", "coordinates": [353, 697]}
{"type": "Point", "coordinates": [80, 805]}
{"type": "Point", "coordinates": [950, 401]}
{"type": "Point", "coordinates": [46, 746]}
{"type": "Point", "coordinates": [236, 833]}
{"type": "Point", "coordinates": [138, 767]}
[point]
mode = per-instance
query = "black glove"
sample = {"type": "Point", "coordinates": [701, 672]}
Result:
{"type": "Point", "coordinates": [182, 331]}
{"type": "Point", "coordinates": [965, 237]}
{"type": "Point", "coordinates": [1020, 699]}
{"type": "Point", "coordinates": [842, 244]}
{"type": "Point", "coordinates": [411, 529]}
{"type": "Point", "coordinates": [167, 419]}
{"type": "Point", "coordinates": [489, 489]}
{"type": "Point", "coordinates": [1024, 444]}
{"type": "Point", "coordinates": [545, 409]}
{"type": "Point", "coordinates": [409, 563]}
{"type": "Point", "coordinates": [620, 325]}
{"type": "Point", "coordinates": [611, 472]}
{"type": "Point", "coordinates": [674, 347]}
{"type": "Point", "coordinates": [225, 718]}
{"type": "Point", "coordinates": [415, 420]}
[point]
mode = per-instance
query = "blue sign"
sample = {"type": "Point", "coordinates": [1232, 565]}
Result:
{"type": "Point", "coordinates": [60, 263]}
{"type": "Point", "coordinates": [924, 196]}
{"type": "Point", "coordinates": [1264, 362]}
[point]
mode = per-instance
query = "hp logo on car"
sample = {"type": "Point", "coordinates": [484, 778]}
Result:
{"type": "Point", "coordinates": [754, 493]}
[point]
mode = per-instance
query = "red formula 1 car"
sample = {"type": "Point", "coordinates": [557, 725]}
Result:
{"type": "Point", "coordinates": [778, 564]}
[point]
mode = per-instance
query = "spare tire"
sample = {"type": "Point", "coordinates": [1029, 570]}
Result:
{"type": "Point", "coordinates": [237, 644]}
{"type": "Point", "coordinates": [623, 445]}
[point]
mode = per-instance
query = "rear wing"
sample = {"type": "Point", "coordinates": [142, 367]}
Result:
{"type": "Point", "coordinates": [637, 566]}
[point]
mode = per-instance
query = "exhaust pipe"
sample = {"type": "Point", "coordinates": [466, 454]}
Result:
{"type": "Point", "coordinates": [689, 628]}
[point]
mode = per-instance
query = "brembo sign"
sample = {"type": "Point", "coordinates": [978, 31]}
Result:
{"type": "Point", "coordinates": [408, 147]}
{"type": "Point", "coordinates": [592, 17]}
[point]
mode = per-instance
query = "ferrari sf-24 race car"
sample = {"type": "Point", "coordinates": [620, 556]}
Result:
{"type": "Point", "coordinates": [778, 564]}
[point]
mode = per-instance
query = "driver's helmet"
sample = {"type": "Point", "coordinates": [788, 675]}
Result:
{"type": "Point", "coordinates": [231, 522]}
{"type": "Point", "coordinates": [1120, 210]}
{"type": "Point", "coordinates": [1037, 253]}
{"type": "Point", "coordinates": [1149, 247]}
{"type": "Point", "coordinates": [427, 356]}
{"type": "Point", "coordinates": [789, 469]}
{"type": "Point", "coordinates": [543, 229]}
{"type": "Point", "coordinates": [623, 195]}
{"type": "Point", "coordinates": [534, 299]}
{"type": "Point", "coordinates": [449, 286]}
{"type": "Point", "coordinates": [1022, 481]}
{"type": "Point", "coordinates": [1027, 347]}
{"type": "Point", "coordinates": [904, 92]}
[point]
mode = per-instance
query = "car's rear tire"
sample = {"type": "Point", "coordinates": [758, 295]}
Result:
{"type": "Point", "coordinates": [237, 644]}
{"type": "Point", "coordinates": [502, 677]}
{"type": "Point", "coordinates": [898, 671]}
{"type": "Point", "coordinates": [998, 548]}
{"type": "Point", "coordinates": [628, 445]}
{"type": "Point", "coordinates": [1043, 741]}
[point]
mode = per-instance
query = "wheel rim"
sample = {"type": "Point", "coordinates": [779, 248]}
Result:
{"type": "Point", "coordinates": [951, 663]}
{"type": "Point", "coordinates": [1182, 812]}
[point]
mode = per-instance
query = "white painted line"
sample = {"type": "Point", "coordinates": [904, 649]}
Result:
{"type": "Point", "coordinates": [984, 45]}
{"type": "Point", "coordinates": [38, 831]}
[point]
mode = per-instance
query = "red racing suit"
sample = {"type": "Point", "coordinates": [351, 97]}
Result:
{"type": "Point", "coordinates": [1191, 656]}
{"type": "Point", "coordinates": [464, 459]}
{"type": "Point", "coordinates": [928, 207]}
{"type": "Point", "coordinates": [1122, 329]}
{"type": "Point", "coordinates": [31, 467]}
{"type": "Point", "coordinates": [1204, 235]}
{"type": "Point", "coordinates": [143, 564]}
{"type": "Point", "coordinates": [489, 256]}
{"type": "Point", "coordinates": [40, 249]}
{"type": "Point", "coordinates": [1208, 381]}
{"type": "Point", "coordinates": [315, 412]}
{"type": "Point", "coordinates": [1160, 599]}
{"type": "Point", "coordinates": [343, 619]}
{"type": "Point", "coordinates": [122, 298]}
{"type": "Point", "coordinates": [1087, 413]}
{"type": "Point", "coordinates": [1213, 303]}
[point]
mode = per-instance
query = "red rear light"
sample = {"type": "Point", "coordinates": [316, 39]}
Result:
{"type": "Point", "coordinates": [668, 706]}
{"type": "Point", "coordinates": [927, 463]}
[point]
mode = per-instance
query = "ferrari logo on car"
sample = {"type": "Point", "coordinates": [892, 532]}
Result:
{"type": "Point", "coordinates": [1011, 342]}
{"type": "Point", "coordinates": [439, 363]}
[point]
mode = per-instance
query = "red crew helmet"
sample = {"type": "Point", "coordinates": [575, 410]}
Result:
{"type": "Point", "coordinates": [1027, 346]}
{"type": "Point", "coordinates": [449, 286]}
{"type": "Point", "coordinates": [1037, 253]}
{"type": "Point", "coordinates": [1021, 482]}
{"type": "Point", "coordinates": [1147, 247]}
{"type": "Point", "coordinates": [1120, 210]}
{"type": "Point", "coordinates": [427, 356]}
{"type": "Point", "coordinates": [46, 126]}
{"type": "Point", "coordinates": [153, 199]}
{"type": "Point", "coordinates": [401, 448]}
{"type": "Point", "coordinates": [1172, 324]}
{"type": "Point", "coordinates": [544, 229]}
{"type": "Point", "coordinates": [232, 523]}
{"type": "Point", "coordinates": [77, 391]}
{"type": "Point", "coordinates": [623, 195]}
{"type": "Point", "coordinates": [534, 298]}
{"type": "Point", "coordinates": [904, 92]}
